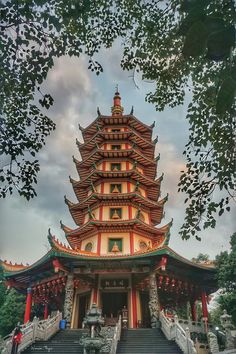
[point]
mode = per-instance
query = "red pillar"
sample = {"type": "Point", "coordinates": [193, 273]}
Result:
{"type": "Point", "coordinates": [204, 304]}
{"type": "Point", "coordinates": [28, 305]}
{"type": "Point", "coordinates": [45, 313]}
{"type": "Point", "coordinates": [193, 310]}
{"type": "Point", "coordinates": [95, 296]}
{"type": "Point", "coordinates": [99, 243]}
{"type": "Point", "coordinates": [95, 291]}
{"type": "Point", "coordinates": [134, 307]}
{"type": "Point", "coordinates": [131, 235]}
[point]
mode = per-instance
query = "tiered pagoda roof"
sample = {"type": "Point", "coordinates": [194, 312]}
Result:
{"type": "Point", "coordinates": [118, 150]}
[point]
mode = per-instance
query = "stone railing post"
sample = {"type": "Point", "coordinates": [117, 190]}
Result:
{"type": "Point", "coordinates": [188, 337]}
{"type": "Point", "coordinates": [176, 319]}
{"type": "Point", "coordinates": [35, 327]}
{"type": "Point", "coordinates": [154, 304]}
{"type": "Point", "coordinates": [69, 294]}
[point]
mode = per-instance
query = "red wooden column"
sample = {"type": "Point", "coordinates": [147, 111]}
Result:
{"type": "Point", "coordinates": [193, 310]}
{"type": "Point", "coordinates": [204, 304]}
{"type": "Point", "coordinates": [95, 291]}
{"type": "Point", "coordinates": [134, 306]}
{"type": "Point", "coordinates": [99, 243]}
{"type": "Point", "coordinates": [28, 305]}
{"type": "Point", "coordinates": [45, 312]}
{"type": "Point", "coordinates": [131, 235]}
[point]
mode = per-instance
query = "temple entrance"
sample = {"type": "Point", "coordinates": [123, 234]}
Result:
{"type": "Point", "coordinates": [84, 301]}
{"type": "Point", "coordinates": [144, 299]}
{"type": "Point", "coordinates": [112, 304]}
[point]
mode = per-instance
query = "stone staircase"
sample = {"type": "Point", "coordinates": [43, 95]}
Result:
{"type": "Point", "coordinates": [133, 341]}
{"type": "Point", "coordinates": [63, 342]}
{"type": "Point", "coordinates": [146, 341]}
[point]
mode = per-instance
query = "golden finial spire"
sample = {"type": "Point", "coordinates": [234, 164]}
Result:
{"type": "Point", "coordinates": [117, 110]}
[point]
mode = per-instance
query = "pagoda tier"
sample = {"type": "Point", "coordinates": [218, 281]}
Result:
{"type": "Point", "coordinates": [83, 187]}
{"type": "Point", "coordinates": [102, 166]}
{"type": "Point", "coordinates": [93, 227]}
{"type": "Point", "coordinates": [128, 120]}
{"type": "Point", "coordinates": [106, 138]}
{"type": "Point", "coordinates": [96, 200]}
{"type": "Point", "coordinates": [99, 154]}
{"type": "Point", "coordinates": [61, 258]}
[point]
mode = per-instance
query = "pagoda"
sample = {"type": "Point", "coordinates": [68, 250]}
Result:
{"type": "Point", "coordinates": [118, 255]}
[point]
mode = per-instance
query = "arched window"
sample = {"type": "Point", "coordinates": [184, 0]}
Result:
{"type": "Point", "coordinates": [89, 247]}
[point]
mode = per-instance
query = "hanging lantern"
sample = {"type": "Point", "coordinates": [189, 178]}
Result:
{"type": "Point", "coordinates": [160, 281]}
{"type": "Point", "coordinates": [167, 282]}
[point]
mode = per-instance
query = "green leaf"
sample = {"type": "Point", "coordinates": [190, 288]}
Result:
{"type": "Point", "coordinates": [196, 39]}
{"type": "Point", "coordinates": [226, 95]}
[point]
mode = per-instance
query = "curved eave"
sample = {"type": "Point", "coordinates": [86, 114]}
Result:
{"type": "Point", "coordinates": [79, 211]}
{"type": "Point", "coordinates": [127, 119]}
{"type": "Point", "coordinates": [9, 267]}
{"type": "Point", "coordinates": [136, 197]}
{"type": "Point", "coordinates": [99, 154]}
{"type": "Point", "coordinates": [95, 174]}
{"type": "Point", "coordinates": [50, 254]}
{"type": "Point", "coordinates": [103, 136]}
{"type": "Point", "coordinates": [102, 120]}
{"type": "Point", "coordinates": [115, 225]}
{"type": "Point", "coordinates": [182, 259]}
{"type": "Point", "coordinates": [81, 255]}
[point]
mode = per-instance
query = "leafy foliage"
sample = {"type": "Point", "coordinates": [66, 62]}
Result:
{"type": "Point", "coordinates": [226, 265]}
{"type": "Point", "coordinates": [176, 44]}
{"type": "Point", "coordinates": [226, 274]}
{"type": "Point", "coordinates": [201, 258]}
{"type": "Point", "coordinates": [11, 309]}
{"type": "Point", "coordinates": [228, 303]}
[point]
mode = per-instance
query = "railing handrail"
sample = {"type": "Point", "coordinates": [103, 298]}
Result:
{"type": "Point", "coordinates": [32, 331]}
{"type": "Point", "coordinates": [116, 336]}
{"type": "Point", "coordinates": [174, 331]}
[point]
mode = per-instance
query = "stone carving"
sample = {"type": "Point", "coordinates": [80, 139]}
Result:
{"type": "Point", "coordinates": [94, 341]}
{"type": "Point", "coordinates": [69, 294]}
{"type": "Point", "coordinates": [154, 305]}
{"type": "Point", "coordinates": [213, 343]}
{"type": "Point", "coordinates": [226, 321]}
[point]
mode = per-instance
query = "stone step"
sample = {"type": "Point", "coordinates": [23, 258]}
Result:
{"type": "Point", "coordinates": [146, 341]}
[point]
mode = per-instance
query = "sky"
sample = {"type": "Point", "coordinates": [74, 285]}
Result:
{"type": "Point", "coordinates": [77, 93]}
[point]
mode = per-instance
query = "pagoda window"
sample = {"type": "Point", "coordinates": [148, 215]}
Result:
{"type": "Point", "coordinates": [115, 188]}
{"type": "Point", "coordinates": [115, 213]}
{"type": "Point", "coordinates": [115, 147]}
{"type": "Point", "coordinates": [115, 166]}
{"type": "Point", "coordinates": [89, 247]}
{"type": "Point", "coordinates": [115, 245]}
{"type": "Point", "coordinates": [116, 130]}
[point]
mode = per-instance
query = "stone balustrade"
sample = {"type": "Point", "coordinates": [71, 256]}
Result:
{"type": "Point", "coordinates": [33, 331]}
